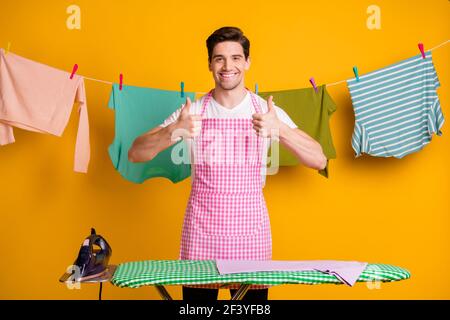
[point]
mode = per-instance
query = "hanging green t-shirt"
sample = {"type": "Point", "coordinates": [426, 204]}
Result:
{"type": "Point", "coordinates": [137, 110]}
{"type": "Point", "coordinates": [311, 111]}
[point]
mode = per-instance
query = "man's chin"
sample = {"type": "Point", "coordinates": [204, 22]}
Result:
{"type": "Point", "coordinates": [228, 86]}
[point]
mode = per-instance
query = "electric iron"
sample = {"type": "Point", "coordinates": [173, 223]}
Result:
{"type": "Point", "coordinates": [92, 262]}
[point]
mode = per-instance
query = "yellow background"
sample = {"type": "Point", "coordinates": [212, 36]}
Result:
{"type": "Point", "coordinates": [370, 209]}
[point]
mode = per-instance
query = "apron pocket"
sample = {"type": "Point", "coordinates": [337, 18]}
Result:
{"type": "Point", "coordinates": [228, 214]}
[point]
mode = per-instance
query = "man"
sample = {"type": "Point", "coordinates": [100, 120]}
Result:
{"type": "Point", "coordinates": [226, 217]}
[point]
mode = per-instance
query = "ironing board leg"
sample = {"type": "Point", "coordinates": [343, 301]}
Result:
{"type": "Point", "coordinates": [100, 291]}
{"type": "Point", "coordinates": [240, 293]}
{"type": "Point", "coordinates": [163, 293]}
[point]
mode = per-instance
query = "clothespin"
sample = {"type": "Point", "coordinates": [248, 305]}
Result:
{"type": "Point", "coordinates": [121, 81]}
{"type": "Point", "coordinates": [313, 83]}
{"type": "Point", "coordinates": [256, 88]}
{"type": "Point", "coordinates": [75, 68]}
{"type": "Point", "coordinates": [420, 45]}
{"type": "Point", "coordinates": [182, 89]}
{"type": "Point", "coordinates": [7, 48]}
{"type": "Point", "coordinates": [355, 71]}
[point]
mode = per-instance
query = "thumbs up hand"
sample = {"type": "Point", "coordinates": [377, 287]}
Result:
{"type": "Point", "coordinates": [266, 124]}
{"type": "Point", "coordinates": [188, 125]}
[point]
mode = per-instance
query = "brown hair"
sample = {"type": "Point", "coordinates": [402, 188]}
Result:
{"type": "Point", "coordinates": [227, 34]}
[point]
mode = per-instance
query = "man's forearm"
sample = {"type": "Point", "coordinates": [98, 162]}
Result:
{"type": "Point", "coordinates": [148, 145]}
{"type": "Point", "coordinates": [307, 150]}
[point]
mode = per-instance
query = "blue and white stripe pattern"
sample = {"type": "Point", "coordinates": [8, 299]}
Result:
{"type": "Point", "coordinates": [396, 108]}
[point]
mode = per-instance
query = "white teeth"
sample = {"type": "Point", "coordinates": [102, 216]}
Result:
{"type": "Point", "coordinates": [228, 75]}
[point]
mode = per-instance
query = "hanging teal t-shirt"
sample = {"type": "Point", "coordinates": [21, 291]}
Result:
{"type": "Point", "coordinates": [138, 110]}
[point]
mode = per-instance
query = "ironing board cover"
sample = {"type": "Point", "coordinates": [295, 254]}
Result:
{"type": "Point", "coordinates": [183, 272]}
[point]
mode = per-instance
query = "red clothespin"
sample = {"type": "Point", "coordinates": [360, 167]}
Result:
{"type": "Point", "coordinates": [75, 68]}
{"type": "Point", "coordinates": [313, 83]}
{"type": "Point", "coordinates": [420, 45]}
{"type": "Point", "coordinates": [121, 81]}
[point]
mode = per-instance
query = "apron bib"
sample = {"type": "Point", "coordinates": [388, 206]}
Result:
{"type": "Point", "coordinates": [226, 216]}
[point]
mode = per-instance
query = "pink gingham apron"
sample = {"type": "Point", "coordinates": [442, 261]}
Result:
{"type": "Point", "coordinates": [226, 216]}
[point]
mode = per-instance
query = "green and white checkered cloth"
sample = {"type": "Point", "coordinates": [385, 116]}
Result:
{"type": "Point", "coordinates": [189, 272]}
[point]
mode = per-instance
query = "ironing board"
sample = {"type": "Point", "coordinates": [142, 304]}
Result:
{"type": "Point", "coordinates": [159, 273]}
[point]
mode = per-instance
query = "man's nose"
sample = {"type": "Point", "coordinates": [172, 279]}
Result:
{"type": "Point", "coordinates": [227, 64]}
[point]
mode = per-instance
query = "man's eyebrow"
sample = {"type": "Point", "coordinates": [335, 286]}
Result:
{"type": "Point", "coordinates": [221, 56]}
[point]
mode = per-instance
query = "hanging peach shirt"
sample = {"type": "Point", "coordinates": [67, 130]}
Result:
{"type": "Point", "coordinates": [39, 98]}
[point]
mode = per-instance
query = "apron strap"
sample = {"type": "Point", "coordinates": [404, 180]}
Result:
{"type": "Point", "coordinates": [205, 102]}
{"type": "Point", "coordinates": [255, 102]}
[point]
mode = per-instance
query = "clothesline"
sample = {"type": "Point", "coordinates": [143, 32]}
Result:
{"type": "Point", "coordinates": [328, 85]}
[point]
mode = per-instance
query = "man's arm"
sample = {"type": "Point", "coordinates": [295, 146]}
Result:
{"type": "Point", "coordinates": [307, 150]}
{"type": "Point", "coordinates": [148, 145]}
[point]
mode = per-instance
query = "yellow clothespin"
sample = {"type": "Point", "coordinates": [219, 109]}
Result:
{"type": "Point", "coordinates": [7, 48]}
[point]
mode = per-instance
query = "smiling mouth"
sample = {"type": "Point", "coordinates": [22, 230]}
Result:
{"type": "Point", "coordinates": [228, 75]}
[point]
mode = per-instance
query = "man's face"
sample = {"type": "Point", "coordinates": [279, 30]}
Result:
{"type": "Point", "coordinates": [228, 64]}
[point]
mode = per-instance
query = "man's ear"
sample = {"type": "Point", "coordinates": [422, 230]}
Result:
{"type": "Point", "coordinates": [209, 65]}
{"type": "Point", "coordinates": [247, 63]}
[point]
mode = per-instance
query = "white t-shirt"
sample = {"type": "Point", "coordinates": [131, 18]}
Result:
{"type": "Point", "coordinates": [244, 109]}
